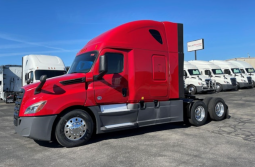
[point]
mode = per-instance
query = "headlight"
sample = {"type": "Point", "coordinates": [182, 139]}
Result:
{"type": "Point", "coordinates": [35, 107]}
{"type": "Point", "coordinates": [226, 82]}
{"type": "Point", "coordinates": [243, 80]}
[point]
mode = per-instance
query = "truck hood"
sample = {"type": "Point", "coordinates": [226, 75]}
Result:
{"type": "Point", "coordinates": [204, 77]}
{"type": "Point", "coordinates": [55, 80]}
{"type": "Point", "coordinates": [226, 76]}
{"type": "Point", "coordinates": [59, 93]}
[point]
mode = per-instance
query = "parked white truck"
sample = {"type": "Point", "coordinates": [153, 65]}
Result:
{"type": "Point", "coordinates": [223, 82]}
{"type": "Point", "coordinates": [10, 81]}
{"type": "Point", "coordinates": [34, 66]}
{"type": "Point", "coordinates": [243, 80]}
{"type": "Point", "coordinates": [195, 82]}
{"type": "Point", "coordinates": [245, 68]}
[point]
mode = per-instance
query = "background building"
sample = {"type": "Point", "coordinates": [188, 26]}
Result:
{"type": "Point", "coordinates": [250, 60]}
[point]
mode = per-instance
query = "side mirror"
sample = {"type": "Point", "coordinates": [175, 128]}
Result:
{"type": "Point", "coordinates": [39, 87]}
{"type": "Point", "coordinates": [102, 66]}
{"type": "Point", "coordinates": [29, 81]}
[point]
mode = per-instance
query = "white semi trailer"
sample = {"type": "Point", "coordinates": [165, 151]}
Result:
{"type": "Point", "coordinates": [243, 80]}
{"type": "Point", "coordinates": [10, 81]}
{"type": "Point", "coordinates": [223, 82]}
{"type": "Point", "coordinates": [195, 82]}
{"type": "Point", "coordinates": [34, 66]}
{"type": "Point", "coordinates": [245, 68]}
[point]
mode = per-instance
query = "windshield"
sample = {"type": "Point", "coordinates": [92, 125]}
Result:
{"type": "Point", "coordinates": [49, 73]}
{"type": "Point", "coordinates": [194, 72]}
{"type": "Point", "coordinates": [250, 70]}
{"type": "Point", "coordinates": [235, 70]}
{"type": "Point", "coordinates": [83, 62]}
{"type": "Point", "coordinates": [217, 71]}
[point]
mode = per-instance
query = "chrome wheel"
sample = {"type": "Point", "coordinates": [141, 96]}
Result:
{"type": "Point", "coordinates": [217, 87]}
{"type": "Point", "coordinates": [75, 128]}
{"type": "Point", "coordinates": [200, 113]}
{"type": "Point", "coordinates": [219, 109]}
{"type": "Point", "coordinates": [191, 89]}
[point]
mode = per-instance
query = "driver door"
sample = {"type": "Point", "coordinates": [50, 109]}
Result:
{"type": "Point", "coordinates": [113, 87]}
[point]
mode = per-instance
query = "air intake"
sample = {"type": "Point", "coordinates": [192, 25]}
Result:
{"type": "Point", "coordinates": [73, 81]}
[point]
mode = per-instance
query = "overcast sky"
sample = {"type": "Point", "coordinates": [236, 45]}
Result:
{"type": "Point", "coordinates": [63, 27]}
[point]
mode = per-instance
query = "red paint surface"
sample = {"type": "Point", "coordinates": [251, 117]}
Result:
{"type": "Point", "coordinates": [143, 76]}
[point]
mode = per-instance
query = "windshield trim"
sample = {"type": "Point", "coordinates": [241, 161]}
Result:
{"type": "Point", "coordinates": [232, 69]}
{"type": "Point", "coordinates": [35, 72]}
{"type": "Point", "coordinates": [194, 74]}
{"type": "Point", "coordinates": [215, 71]}
{"type": "Point", "coordinates": [246, 69]}
{"type": "Point", "coordinates": [96, 57]}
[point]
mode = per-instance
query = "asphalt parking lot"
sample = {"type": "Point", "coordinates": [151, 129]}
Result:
{"type": "Point", "coordinates": [230, 142]}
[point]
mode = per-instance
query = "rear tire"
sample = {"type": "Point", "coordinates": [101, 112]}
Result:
{"type": "Point", "coordinates": [198, 113]}
{"type": "Point", "coordinates": [253, 83]}
{"type": "Point", "coordinates": [207, 100]}
{"type": "Point", "coordinates": [217, 109]}
{"type": "Point", "coordinates": [75, 128]}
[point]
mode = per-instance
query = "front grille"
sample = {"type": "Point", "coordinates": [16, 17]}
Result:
{"type": "Point", "coordinates": [249, 80]}
{"type": "Point", "coordinates": [209, 83]}
{"type": "Point", "coordinates": [233, 81]}
{"type": "Point", "coordinates": [18, 101]}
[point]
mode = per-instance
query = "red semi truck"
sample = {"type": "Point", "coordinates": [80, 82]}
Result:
{"type": "Point", "coordinates": [128, 77]}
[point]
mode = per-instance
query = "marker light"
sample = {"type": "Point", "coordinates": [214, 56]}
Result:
{"type": "Point", "coordinates": [35, 107]}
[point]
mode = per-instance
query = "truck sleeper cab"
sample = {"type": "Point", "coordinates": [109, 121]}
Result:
{"type": "Point", "coordinates": [245, 68]}
{"type": "Point", "coordinates": [243, 80]}
{"type": "Point", "coordinates": [34, 66]}
{"type": "Point", "coordinates": [223, 82]}
{"type": "Point", "coordinates": [196, 83]}
{"type": "Point", "coordinates": [128, 77]}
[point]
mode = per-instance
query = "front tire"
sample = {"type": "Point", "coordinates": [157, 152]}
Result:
{"type": "Point", "coordinates": [217, 109]}
{"type": "Point", "coordinates": [218, 87]}
{"type": "Point", "coordinates": [192, 89]}
{"type": "Point", "coordinates": [75, 128]}
{"type": "Point", "coordinates": [198, 113]}
{"type": "Point", "coordinates": [253, 83]}
{"type": "Point", "coordinates": [238, 85]}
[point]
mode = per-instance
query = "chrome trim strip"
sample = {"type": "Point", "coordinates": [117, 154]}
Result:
{"type": "Point", "coordinates": [114, 108]}
{"type": "Point", "coordinates": [119, 125]}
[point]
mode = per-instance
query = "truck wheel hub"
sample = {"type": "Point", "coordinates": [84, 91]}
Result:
{"type": "Point", "coordinates": [200, 113]}
{"type": "Point", "coordinates": [75, 128]}
{"type": "Point", "coordinates": [219, 109]}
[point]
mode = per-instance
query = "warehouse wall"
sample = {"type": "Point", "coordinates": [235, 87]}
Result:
{"type": "Point", "coordinates": [251, 60]}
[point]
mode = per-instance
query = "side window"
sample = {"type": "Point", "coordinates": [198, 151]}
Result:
{"type": "Point", "coordinates": [115, 62]}
{"type": "Point", "coordinates": [26, 76]}
{"type": "Point", "coordinates": [184, 73]}
{"type": "Point", "coordinates": [226, 71]}
{"type": "Point", "coordinates": [242, 71]}
{"type": "Point", "coordinates": [156, 35]}
{"type": "Point", "coordinates": [207, 72]}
